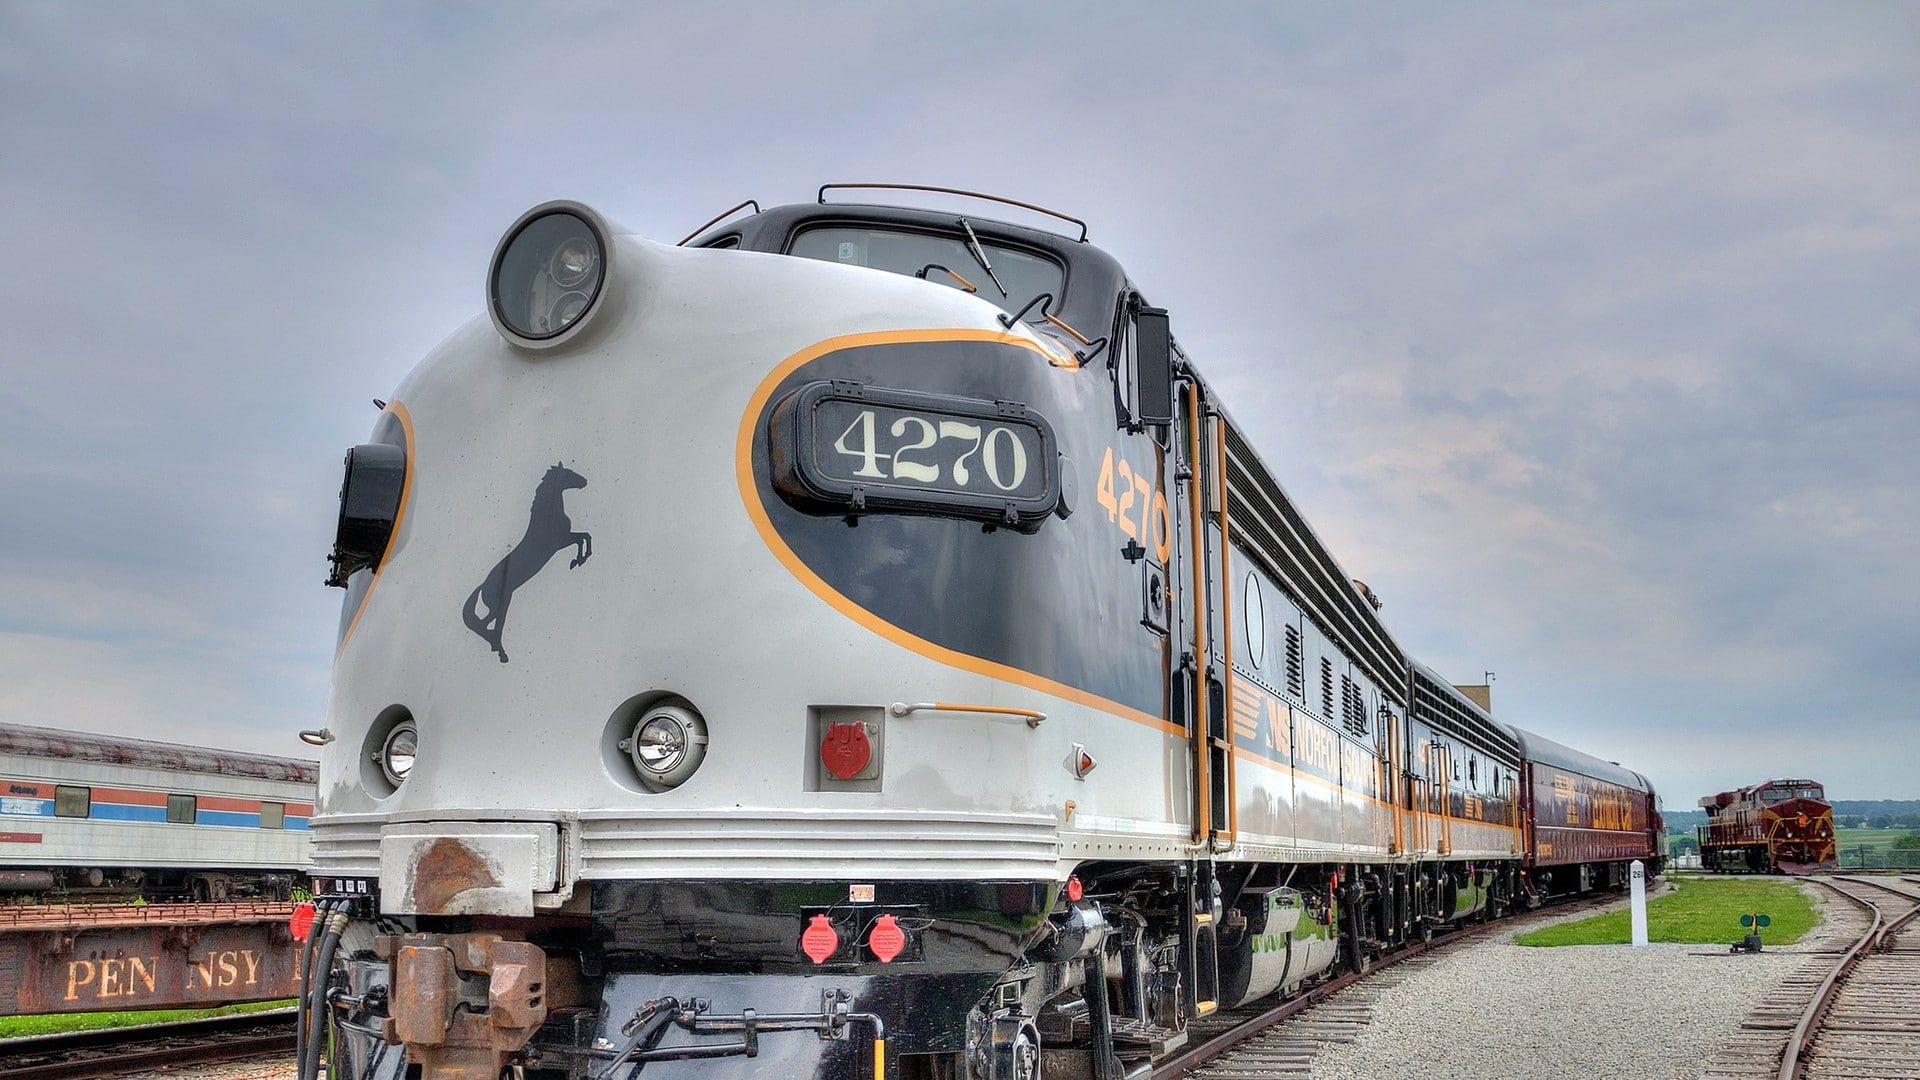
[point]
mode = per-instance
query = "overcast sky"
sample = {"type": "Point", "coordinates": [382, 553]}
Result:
{"type": "Point", "coordinates": [1588, 335]}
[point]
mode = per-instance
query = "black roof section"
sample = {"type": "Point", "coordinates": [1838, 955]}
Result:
{"type": "Point", "coordinates": [1544, 750]}
{"type": "Point", "coordinates": [1436, 702]}
{"type": "Point", "coordinates": [1094, 278]}
{"type": "Point", "coordinates": [1264, 518]}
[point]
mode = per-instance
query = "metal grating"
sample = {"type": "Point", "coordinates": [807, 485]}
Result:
{"type": "Point", "coordinates": [1275, 533]}
{"type": "Point", "coordinates": [1296, 665]}
{"type": "Point", "coordinates": [1440, 706]}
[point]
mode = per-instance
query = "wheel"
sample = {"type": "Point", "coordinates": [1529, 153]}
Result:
{"type": "Point", "coordinates": [1357, 959]}
{"type": "Point", "coordinates": [1015, 1049]}
{"type": "Point", "coordinates": [198, 890]}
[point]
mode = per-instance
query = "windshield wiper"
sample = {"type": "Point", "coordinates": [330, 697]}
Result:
{"type": "Point", "coordinates": [980, 256]}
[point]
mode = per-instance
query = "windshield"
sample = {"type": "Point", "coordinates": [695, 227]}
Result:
{"type": "Point", "coordinates": [1024, 274]}
{"type": "Point", "coordinates": [1783, 792]}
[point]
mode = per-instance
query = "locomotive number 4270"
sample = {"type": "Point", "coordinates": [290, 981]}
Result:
{"type": "Point", "coordinates": [963, 454]}
{"type": "Point", "coordinates": [845, 446]}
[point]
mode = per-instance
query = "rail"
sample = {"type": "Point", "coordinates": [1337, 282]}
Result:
{"type": "Point", "coordinates": [1800, 1042]}
{"type": "Point", "coordinates": [146, 1049]}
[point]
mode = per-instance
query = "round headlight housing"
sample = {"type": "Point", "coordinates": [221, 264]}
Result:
{"type": "Point", "coordinates": [548, 274]}
{"type": "Point", "coordinates": [666, 744]}
{"type": "Point", "coordinates": [397, 753]}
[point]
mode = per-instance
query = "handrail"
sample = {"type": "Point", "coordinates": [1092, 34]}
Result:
{"type": "Point", "coordinates": [824, 188]}
{"type": "Point", "coordinates": [1033, 717]}
{"type": "Point", "coordinates": [718, 218]}
{"type": "Point", "coordinates": [1196, 555]}
{"type": "Point", "coordinates": [1227, 760]}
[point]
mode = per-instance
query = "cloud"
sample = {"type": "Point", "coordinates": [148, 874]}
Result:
{"type": "Point", "coordinates": [1584, 333]}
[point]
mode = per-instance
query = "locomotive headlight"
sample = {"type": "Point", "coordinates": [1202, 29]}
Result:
{"type": "Point", "coordinates": [548, 274]}
{"type": "Point", "coordinates": [667, 744]}
{"type": "Point", "coordinates": [397, 753]}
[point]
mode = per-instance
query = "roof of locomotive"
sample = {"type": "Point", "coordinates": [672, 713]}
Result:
{"type": "Point", "coordinates": [1723, 798]}
{"type": "Point", "coordinates": [39, 742]}
{"type": "Point", "coordinates": [1544, 750]}
{"type": "Point", "coordinates": [1479, 725]}
{"type": "Point", "coordinates": [1094, 278]}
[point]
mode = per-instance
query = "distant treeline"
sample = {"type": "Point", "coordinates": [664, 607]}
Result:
{"type": "Point", "coordinates": [1847, 813]}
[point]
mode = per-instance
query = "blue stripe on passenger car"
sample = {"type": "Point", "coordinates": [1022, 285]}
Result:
{"type": "Point", "coordinates": [232, 819]}
{"type": "Point", "coordinates": [128, 812]}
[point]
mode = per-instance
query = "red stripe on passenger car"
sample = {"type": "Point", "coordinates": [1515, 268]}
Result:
{"type": "Point", "coordinates": [129, 797]}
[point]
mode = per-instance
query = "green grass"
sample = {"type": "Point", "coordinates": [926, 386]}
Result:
{"type": "Point", "coordinates": [1700, 911]}
{"type": "Point", "coordinates": [1879, 840]}
{"type": "Point", "coordinates": [15, 1026]}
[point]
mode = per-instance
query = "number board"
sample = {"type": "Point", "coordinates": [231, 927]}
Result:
{"type": "Point", "coordinates": [869, 449]}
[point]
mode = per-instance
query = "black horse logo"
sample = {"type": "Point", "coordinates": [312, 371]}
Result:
{"type": "Point", "coordinates": [548, 531]}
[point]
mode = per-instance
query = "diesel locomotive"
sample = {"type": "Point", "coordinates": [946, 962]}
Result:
{"type": "Point", "coordinates": [857, 642]}
{"type": "Point", "coordinates": [1776, 827]}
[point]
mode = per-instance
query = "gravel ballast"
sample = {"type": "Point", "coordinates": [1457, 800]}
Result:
{"type": "Point", "coordinates": [1493, 1008]}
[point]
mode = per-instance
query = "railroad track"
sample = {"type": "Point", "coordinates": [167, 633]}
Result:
{"type": "Point", "coordinates": [1849, 1010]}
{"type": "Point", "coordinates": [1282, 1040]}
{"type": "Point", "coordinates": [134, 1051]}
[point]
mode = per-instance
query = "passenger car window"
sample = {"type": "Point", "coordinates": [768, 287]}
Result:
{"type": "Point", "coordinates": [72, 801]}
{"type": "Point", "coordinates": [183, 809]}
{"type": "Point", "coordinates": [273, 815]}
{"type": "Point", "coordinates": [1026, 275]}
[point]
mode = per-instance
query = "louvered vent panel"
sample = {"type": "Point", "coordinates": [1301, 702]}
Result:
{"type": "Point", "coordinates": [1296, 676]}
{"type": "Point", "coordinates": [1326, 688]}
{"type": "Point", "coordinates": [1353, 706]}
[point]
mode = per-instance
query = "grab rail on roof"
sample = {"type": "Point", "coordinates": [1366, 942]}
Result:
{"type": "Point", "coordinates": [824, 188]}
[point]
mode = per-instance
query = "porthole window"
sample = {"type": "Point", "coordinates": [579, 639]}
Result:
{"type": "Point", "coordinates": [1253, 614]}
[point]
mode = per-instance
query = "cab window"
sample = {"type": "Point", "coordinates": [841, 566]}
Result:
{"type": "Point", "coordinates": [946, 259]}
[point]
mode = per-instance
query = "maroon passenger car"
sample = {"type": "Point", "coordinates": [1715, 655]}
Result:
{"type": "Point", "coordinates": [1585, 820]}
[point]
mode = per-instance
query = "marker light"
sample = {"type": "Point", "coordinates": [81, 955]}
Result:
{"type": "Point", "coordinates": [547, 274]}
{"type": "Point", "coordinates": [300, 923]}
{"type": "Point", "coordinates": [886, 939]}
{"type": "Point", "coordinates": [819, 940]}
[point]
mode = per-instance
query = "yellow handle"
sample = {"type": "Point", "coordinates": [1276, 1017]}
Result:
{"type": "Point", "coordinates": [1033, 717]}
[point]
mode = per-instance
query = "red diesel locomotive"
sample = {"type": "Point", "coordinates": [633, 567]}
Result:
{"type": "Point", "coordinates": [1776, 827]}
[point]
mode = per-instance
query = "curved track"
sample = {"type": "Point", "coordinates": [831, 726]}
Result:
{"type": "Point", "coordinates": [1862, 1020]}
{"type": "Point", "coordinates": [133, 1051]}
{"type": "Point", "coordinates": [1257, 1040]}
